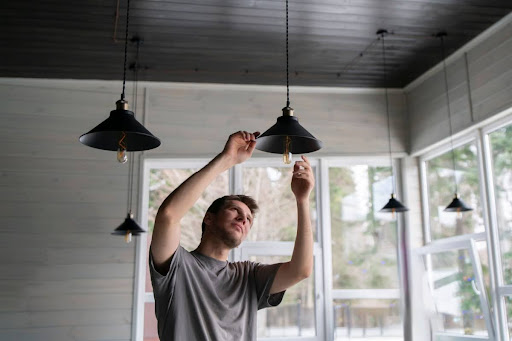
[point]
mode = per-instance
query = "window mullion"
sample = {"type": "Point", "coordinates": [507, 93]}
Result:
{"type": "Point", "coordinates": [493, 249]}
{"type": "Point", "coordinates": [325, 214]}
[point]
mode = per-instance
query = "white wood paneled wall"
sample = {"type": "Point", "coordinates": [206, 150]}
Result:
{"type": "Point", "coordinates": [62, 275]}
{"type": "Point", "coordinates": [195, 120]}
{"type": "Point", "coordinates": [480, 74]}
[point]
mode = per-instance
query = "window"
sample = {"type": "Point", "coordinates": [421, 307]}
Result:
{"type": "Point", "coordinates": [500, 142]}
{"type": "Point", "coordinates": [365, 281]}
{"type": "Point", "coordinates": [441, 179]}
{"type": "Point", "coordinates": [459, 305]}
{"type": "Point", "coordinates": [162, 181]}
{"type": "Point", "coordinates": [483, 163]}
{"type": "Point", "coordinates": [361, 287]}
{"type": "Point", "coordinates": [498, 161]}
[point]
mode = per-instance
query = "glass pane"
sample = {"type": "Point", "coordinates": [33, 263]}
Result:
{"type": "Point", "coordinates": [364, 240]}
{"type": "Point", "coordinates": [277, 217]}
{"type": "Point", "coordinates": [501, 148]}
{"type": "Point", "coordinates": [441, 189]}
{"type": "Point", "coordinates": [508, 303]}
{"type": "Point", "coordinates": [150, 323]}
{"type": "Point", "coordinates": [456, 303]}
{"type": "Point", "coordinates": [164, 181]}
{"type": "Point", "coordinates": [367, 319]}
{"type": "Point", "coordinates": [295, 316]}
{"type": "Point", "coordinates": [161, 183]}
{"type": "Point", "coordinates": [481, 248]}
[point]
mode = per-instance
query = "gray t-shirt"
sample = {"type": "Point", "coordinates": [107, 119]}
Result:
{"type": "Point", "coordinates": [202, 298]}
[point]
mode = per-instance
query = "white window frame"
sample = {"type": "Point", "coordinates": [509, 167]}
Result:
{"type": "Point", "coordinates": [480, 134]}
{"type": "Point", "coordinates": [266, 248]}
{"type": "Point", "coordinates": [467, 242]}
{"type": "Point", "coordinates": [248, 249]}
{"type": "Point", "coordinates": [502, 289]}
{"type": "Point", "coordinates": [330, 293]}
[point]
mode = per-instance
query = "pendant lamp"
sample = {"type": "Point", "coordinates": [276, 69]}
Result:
{"type": "Point", "coordinates": [393, 204]}
{"type": "Point", "coordinates": [287, 136]}
{"type": "Point", "coordinates": [456, 205]}
{"type": "Point", "coordinates": [130, 227]}
{"type": "Point", "coordinates": [121, 132]}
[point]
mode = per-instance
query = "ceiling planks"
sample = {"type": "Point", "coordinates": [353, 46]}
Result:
{"type": "Point", "coordinates": [331, 42]}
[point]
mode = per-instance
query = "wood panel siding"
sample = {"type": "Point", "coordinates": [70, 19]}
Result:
{"type": "Point", "coordinates": [240, 42]}
{"type": "Point", "coordinates": [485, 81]}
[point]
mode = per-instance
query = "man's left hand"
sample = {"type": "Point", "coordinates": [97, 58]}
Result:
{"type": "Point", "coordinates": [303, 179]}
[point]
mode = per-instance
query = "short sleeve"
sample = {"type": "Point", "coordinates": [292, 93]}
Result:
{"type": "Point", "coordinates": [163, 285]}
{"type": "Point", "coordinates": [264, 277]}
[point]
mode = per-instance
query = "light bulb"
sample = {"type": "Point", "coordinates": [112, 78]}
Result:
{"type": "Point", "coordinates": [287, 155]}
{"type": "Point", "coordinates": [128, 236]}
{"type": "Point", "coordinates": [393, 213]}
{"type": "Point", "coordinates": [122, 157]}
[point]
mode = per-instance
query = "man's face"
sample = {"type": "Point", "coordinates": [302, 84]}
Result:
{"type": "Point", "coordinates": [232, 223]}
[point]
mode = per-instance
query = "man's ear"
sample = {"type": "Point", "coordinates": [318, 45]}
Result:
{"type": "Point", "coordinates": [208, 218]}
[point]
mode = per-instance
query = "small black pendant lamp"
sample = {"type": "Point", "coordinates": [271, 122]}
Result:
{"type": "Point", "coordinates": [121, 132]}
{"type": "Point", "coordinates": [287, 136]}
{"type": "Point", "coordinates": [130, 227]}
{"type": "Point", "coordinates": [393, 205]}
{"type": "Point", "coordinates": [456, 205]}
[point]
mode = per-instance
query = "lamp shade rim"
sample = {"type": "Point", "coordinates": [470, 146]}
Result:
{"type": "Point", "coordinates": [108, 134]}
{"type": "Point", "coordinates": [129, 226]}
{"type": "Point", "coordinates": [457, 205]}
{"type": "Point", "coordinates": [394, 205]}
{"type": "Point", "coordinates": [301, 141]}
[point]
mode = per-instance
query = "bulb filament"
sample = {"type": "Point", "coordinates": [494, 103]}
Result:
{"type": "Point", "coordinates": [128, 236]}
{"type": "Point", "coordinates": [121, 151]}
{"type": "Point", "coordinates": [287, 155]}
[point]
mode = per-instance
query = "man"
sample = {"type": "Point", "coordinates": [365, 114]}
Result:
{"type": "Point", "coordinates": [201, 296]}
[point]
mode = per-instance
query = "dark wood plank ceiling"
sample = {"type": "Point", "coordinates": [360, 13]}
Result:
{"type": "Point", "coordinates": [239, 41]}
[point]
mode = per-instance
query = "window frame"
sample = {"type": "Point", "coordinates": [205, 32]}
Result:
{"type": "Point", "coordinates": [501, 288]}
{"type": "Point", "coordinates": [334, 294]}
{"type": "Point", "coordinates": [480, 135]}
{"type": "Point", "coordinates": [467, 242]}
{"type": "Point", "coordinates": [324, 292]}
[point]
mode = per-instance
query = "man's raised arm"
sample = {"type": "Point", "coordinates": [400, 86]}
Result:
{"type": "Point", "coordinates": [166, 234]}
{"type": "Point", "coordinates": [301, 264]}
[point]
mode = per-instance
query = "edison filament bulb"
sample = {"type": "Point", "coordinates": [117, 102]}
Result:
{"type": "Point", "coordinates": [121, 150]}
{"type": "Point", "coordinates": [287, 155]}
{"type": "Point", "coordinates": [122, 157]}
{"type": "Point", "coordinates": [128, 236]}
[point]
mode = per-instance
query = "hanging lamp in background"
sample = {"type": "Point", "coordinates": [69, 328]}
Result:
{"type": "Point", "coordinates": [121, 132]}
{"type": "Point", "coordinates": [456, 205]}
{"type": "Point", "coordinates": [130, 227]}
{"type": "Point", "coordinates": [393, 204]}
{"type": "Point", "coordinates": [287, 136]}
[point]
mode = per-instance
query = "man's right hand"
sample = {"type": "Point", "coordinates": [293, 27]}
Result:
{"type": "Point", "coordinates": [240, 146]}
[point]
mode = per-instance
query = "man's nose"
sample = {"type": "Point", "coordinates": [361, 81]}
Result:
{"type": "Point", "coordinates": [242, 218]}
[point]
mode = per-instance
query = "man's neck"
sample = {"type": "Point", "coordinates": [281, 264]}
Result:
{"type": "Point", "coordinates": [214, 250]}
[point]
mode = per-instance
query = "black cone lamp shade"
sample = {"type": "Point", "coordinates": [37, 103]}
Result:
{"type": "Point", "coordinates": [288, 128]}
{"type": "Point", "coordinates": [394, 205]}
{"type": "Point", "coordinates": [128, 228]}
{"type": "Point", "coordinates": [108, 134]}
{"type": "Point", "coordinates": [457, 205]}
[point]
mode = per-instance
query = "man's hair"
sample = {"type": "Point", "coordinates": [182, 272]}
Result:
{"type": "Point", "coordinates": [219, 203]}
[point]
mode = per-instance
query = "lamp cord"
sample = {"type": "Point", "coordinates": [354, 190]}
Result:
{"type": "Point", "coordinates": [440, 35]}
{"type": "Point", "coordinates": [134, 101]}
{"type": "Point", "coordinates": [126, 45]}
{"type": "Point", "coordinates": [287, 67]}
{"type": "Point", "coordinates": [382, 34]}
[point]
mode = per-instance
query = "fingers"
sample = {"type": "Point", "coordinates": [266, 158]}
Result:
{"type": "Point", "coordinates": [303, 168]}
{"type": "Point", "coordinates": [247, 136]}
